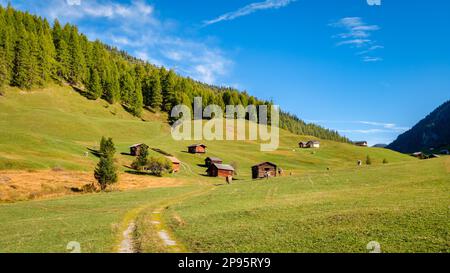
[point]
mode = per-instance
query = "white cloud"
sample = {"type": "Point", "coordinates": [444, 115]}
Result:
{"type": "Point", "coordinates": [357, 34]}
{"type": "Point", "coordinates": [355, 42]}
{"type": "Point", "coordinates": [135, 27]}
{"type": "Point", "coordinates": [73, 2]}
{"type": "Point", "coordinates": [249, 9]}
{"type": "Point", "coordinates": [76, 9]}
{"type": "Point", "coordinates": [369, 59]}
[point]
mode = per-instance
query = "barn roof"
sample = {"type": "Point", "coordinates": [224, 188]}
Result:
{"type": "Point", "coordinates": [224, 167]}
{"type": "Point", "coordinates": [214, 158]}
{"type": "Point", "coordinates": [173, 159]}
{"type": "Point", "coordinates": [137, 145]}
{"type": "Point", "coordinates": [314, 141]}
{"type": "Point", "coordinates": [196, 145]}
{"type": "Point", "coordinates": [262, 163]}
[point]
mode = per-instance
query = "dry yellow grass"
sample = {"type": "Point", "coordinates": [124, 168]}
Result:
{"type": "Point", "coordinates": [26, 185]}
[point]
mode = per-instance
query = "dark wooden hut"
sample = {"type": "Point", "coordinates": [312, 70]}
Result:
{"type": "Point", "coordinates": [221, 170]}
{"type": "Point", "coordinates": [211, 160]}
{"type": "Point", "coordinates": [136, 148]}
{"type": "Point", "coordinates": [197, 149]}
{"type": "Point", "coordinates": [265, 169]}
{"type": "Point", "coordinates": [175, 163]}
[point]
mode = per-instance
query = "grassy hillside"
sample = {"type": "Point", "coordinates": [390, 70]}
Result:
{"type": "Point", "coordinates": [403, 206]}
{"type": "Point", "coordinates": [52, 127]}
{"type": "Point", "coordinates": [328, 204]}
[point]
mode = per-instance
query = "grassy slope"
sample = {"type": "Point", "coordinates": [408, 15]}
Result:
{"type": "Point", "coordinates": [52, 127]}
{"type": "Point", "coordinates": [403, 206]}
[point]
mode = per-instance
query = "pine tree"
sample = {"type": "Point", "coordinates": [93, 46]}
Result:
{"type": "Point", "coordinates": [63, 56]}
{"type": "Point", "coordinates": [107, 147]}
{"type": "Point", "coordinates": [168, 90]}
{"type": "Point", "coordinates": [152, 91]}
{"type": "Point", "coordinates": [62, 51]}
{"type": "Point", "coordinates": [136, 100]}
{"type": "Point", "coordinates": [127, 87]}
{"type": "Point", "coordinates": [46, 55]}
{"type": "Point", "coordinates": [105, 173]}
{"type": "Point", "coordinates": [94, 86]}
{"type": "Point", "coordinates": [77, 65]}
{"type": "Point", "coordinates": [22, 63]}
{"type": "Point", "coordinates": [34, 72]}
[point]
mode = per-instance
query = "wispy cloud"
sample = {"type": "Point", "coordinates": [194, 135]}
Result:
{"type": "Point", "coordinates": [249, 9]}
{"type": "Point", "coordinates": [369, 59]}
{"type": "Point", "coordinates": [358, 35]}
{"type": "Point", "coordinates": [379, 126]}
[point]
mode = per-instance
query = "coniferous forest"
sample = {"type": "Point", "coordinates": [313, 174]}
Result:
{"type": "Point", "coordinates": [34, 53]}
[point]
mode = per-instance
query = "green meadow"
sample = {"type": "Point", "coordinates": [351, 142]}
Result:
{"type": "Point", "coordinates": [323, 203]}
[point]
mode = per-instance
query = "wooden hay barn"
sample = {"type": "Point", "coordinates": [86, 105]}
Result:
{"type": "Point", "coordinates": [309, 144]}
{"type": "Point", "coordinates": [361, 143]}
{"type": "Point", "coordinates": [302, 144]}
{"type": "Point", "coordinates": [136, 148]}
{"type": "Point", "coordinates": [175, 163]}
{"type": "Point", "coordinates": [263, 169]}
{"type": "Point", "coordinates": [197, 149]}
{"type": "Point", "coordinates": [211, 160]}
{"type": "Point", "coordinates": [221, 170]}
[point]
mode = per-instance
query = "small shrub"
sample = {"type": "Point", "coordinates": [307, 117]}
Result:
{"type": "Point", "coordinates": [159, 165]}
{"type": "Point", "coordinates": [368, 160]}
{"type": "Point", "coordinates": [385, 161]}
{"type": "Point", "coordinates": [141, 160]}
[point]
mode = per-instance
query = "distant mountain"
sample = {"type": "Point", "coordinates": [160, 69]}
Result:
{"type": "Point", "coordinates": [431, 132]}
{"type": "Point", "coordinates": [380, 145]}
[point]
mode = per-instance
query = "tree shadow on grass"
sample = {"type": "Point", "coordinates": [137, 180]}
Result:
{"type": "Point", "coordinates": [94, 152]}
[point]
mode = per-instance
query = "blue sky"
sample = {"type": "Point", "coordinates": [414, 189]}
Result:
{"type": "Point", "coordinates": [370, 72]}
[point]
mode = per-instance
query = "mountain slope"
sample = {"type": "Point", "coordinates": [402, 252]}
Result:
{"type": "Point", "coordinates": [431, 132]}
{"type": "Point", "coordinates": [52, 127]}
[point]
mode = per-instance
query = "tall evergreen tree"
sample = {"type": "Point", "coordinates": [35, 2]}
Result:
{"type": "Point", "coordinates": [22, 63]}
{"type": "Point", "coordinates": [77, 65]}
{"type": "Point", "coordinates": [46, 55]}
{"type": "Point", "coordinates": [94, 86]}
{"type": "Point", "coordinates": [168, 90]}
{"type": "Point", "coordinates": [105, 172]}
{"type": "Point", "coordinates": [136, 100]}
{"type": "Point", "coordinates": [152, 91]}
{"type": "Point", "coordinates": [127, 87]}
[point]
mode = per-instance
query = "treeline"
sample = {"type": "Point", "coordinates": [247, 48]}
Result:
{"type": "Point", "coordinates": [297, 126]}
{"type": "Point", "coordinates": [34, 53]}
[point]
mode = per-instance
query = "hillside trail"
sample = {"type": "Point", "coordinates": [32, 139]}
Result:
{"type": "Point", "coordinates": [165, 235]}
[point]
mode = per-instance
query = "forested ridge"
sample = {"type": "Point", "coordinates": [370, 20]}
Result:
{"type": "Point", "coordinates": [432, 132]}
{"type": "Point", "coordinates": [34, 53]}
